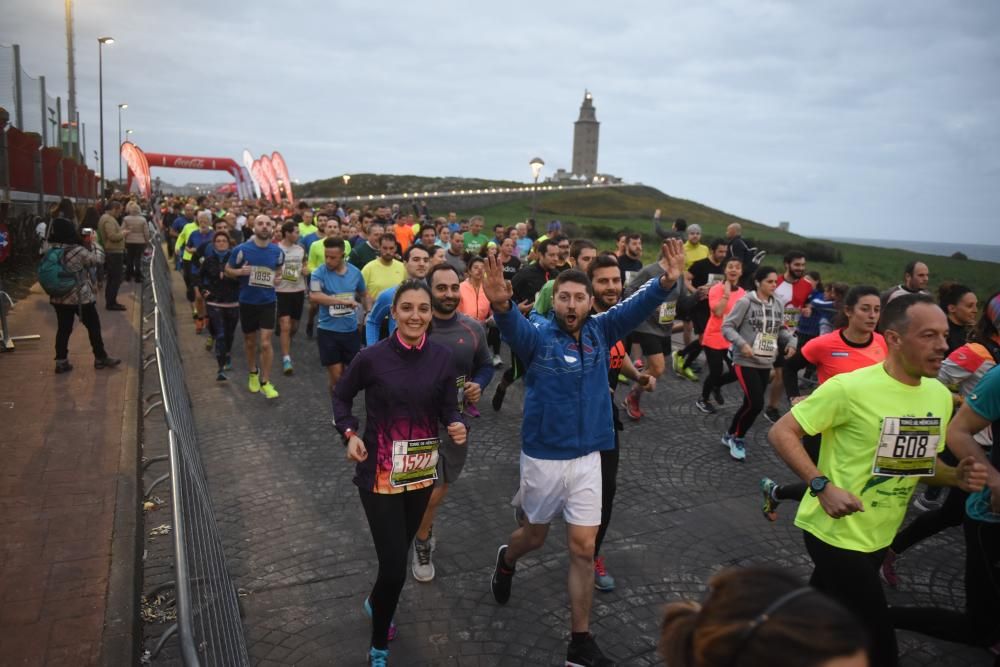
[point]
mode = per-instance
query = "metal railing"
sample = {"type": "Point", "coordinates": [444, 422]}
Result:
{"type": "Point", "coordinates": [208, 616]}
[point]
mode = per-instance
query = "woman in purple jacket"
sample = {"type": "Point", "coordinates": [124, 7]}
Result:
{"type": "Point", "coordinates": [409, 385]}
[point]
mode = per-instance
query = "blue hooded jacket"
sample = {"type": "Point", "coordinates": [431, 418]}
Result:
{"type": "Point", "coordinates": [567, 405]}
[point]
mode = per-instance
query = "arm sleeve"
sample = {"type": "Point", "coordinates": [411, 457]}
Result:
{"type": "Point", "coordinates": [660, 231]}
{"type": "Point", "coordinates": [518, 332]}
{"type": "Point", "coordinates": [730, 325]}
{"type": "Point", "coordinates": [347, 388]}
{"type": "Point", "coordinates": [378, 315]}
{"type": "Point", "coordinates": [621, 319]}
{"type": "Point", "coordinates": [482, 371]}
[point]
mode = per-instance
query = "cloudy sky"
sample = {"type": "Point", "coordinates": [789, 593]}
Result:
{"type": "Point", "coordinates": [848, 118]}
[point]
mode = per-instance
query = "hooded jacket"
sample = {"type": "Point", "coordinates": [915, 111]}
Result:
{"type": "Point", "coordinates": [567, 405]}
{"type": "Point", "coordinates": [750, 317]}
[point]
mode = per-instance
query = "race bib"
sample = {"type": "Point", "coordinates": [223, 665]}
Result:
{"type": "Point", "coordinates": [414, 461]}
{"type": "Point", "coordinates": [907, 447]}
{"type": "Point", "coordinates": [668, 312]}
{"type": "Point", "coordinates": [261, 276]}
{"type": "Point", "coordinates": [792, 317]}
{"type": "Point", "coordinates": [628, 277]}
{"type": "Point", "coordinates": [340, 309]}
{"type": "Point", "coordinates": [715, 279]}
{"type": "Point", "coordinates": [765, 345]}
{"type": "Point", "coordinates": [460, 385]}
{"type": "Point", "coordinates": [291, 271]}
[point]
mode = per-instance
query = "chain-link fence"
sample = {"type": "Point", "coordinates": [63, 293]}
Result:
{"type": "Point", "coordinates": [8, 92]}
{"type": "Point", "coordinates": [209, 627]}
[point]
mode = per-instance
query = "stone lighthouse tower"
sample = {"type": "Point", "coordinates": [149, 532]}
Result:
{"type": "Point", "coordinates": [585, 132]}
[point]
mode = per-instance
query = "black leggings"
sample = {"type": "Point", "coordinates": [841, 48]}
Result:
{"type": "Point", "coordinates": [754, 382]}
{"type": "Point", "coordinates": [516, 370]}
{"type": "Point", "coordinates": [718, 376]}
{"type": "Point", "coordinates": [133, 262]}
{"type": "Point", "coordinates": [393, 520]}
{"type": "Point", "coordinates": [66, 315]}
{"type": "Point", "coordinates": [951, 513]}
{"type": "Point", "coordinates": [980, 624]}
{"type": "Point", "coordinates": [790, 373]}
{"type": "Point", "coordinates": [797, 490]}
{"type": "Point", "coordinates": [609, 484]}
{"type": "Point", "coordinates": [493, 338]}
{"type": "Point", "coordinates": [851, 577]}
{"type": "Point", "coordinates": [222, 325]}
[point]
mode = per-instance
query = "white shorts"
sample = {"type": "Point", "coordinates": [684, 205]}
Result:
{"type": "Point", "coordinates": [571, 486]}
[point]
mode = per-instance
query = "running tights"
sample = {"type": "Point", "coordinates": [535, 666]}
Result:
{"type": "Point", "coordinates": [951, 513]}
{"type": "Point", "coordinates": [754, 382]}
{"type": "Point", "coordinates": [393, 519]}
{"type": "Point", "coordinates": [493, 338]}
{"type": "Point", "coordinates": [851, 577]}
{"type": "Point", "coordinates": [980, 624]}
{"type": "Point", "coordinates": [515, 371]}
{"type": "Point", "coordinates": [222, 324]}
{"type": "Point", "coordinates": [609, 484]}
{"type": "Point", "coordinates": [790, 372]}
{"type": "Point", "coordinates": [718, 376]}
{"type": "Point", "coordinates": [797, 490]}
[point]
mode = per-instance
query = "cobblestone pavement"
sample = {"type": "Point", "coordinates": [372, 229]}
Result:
{"type": "Point", "coordinates": [297, 541]}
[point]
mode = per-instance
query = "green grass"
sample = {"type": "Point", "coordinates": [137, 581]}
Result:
{"type": "Point", "coordinates": [599, 213]}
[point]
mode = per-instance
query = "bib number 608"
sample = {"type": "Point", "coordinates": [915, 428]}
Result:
{"type": "Point", "coordinates": [910, 446]}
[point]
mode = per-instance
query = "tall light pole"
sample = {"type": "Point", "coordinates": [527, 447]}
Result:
{"type": "Point", "coordinates": [101, 41]}
{"type": "Point", "coordinates": [121, 107]}
{"type": "Point", "coordinates": [347, 179]}
{"type": "Point", "coordinates": [536, 165]}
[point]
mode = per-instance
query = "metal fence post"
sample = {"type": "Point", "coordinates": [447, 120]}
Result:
{"type": "Point", "coordinates": [4, 167]}
{"type": "Point", "coordinates": [41, 104]}
{"type": "Point", "coordinates": [18, 111]}
{"type": "Point", "coordinates": [59, 141]}
{"type": "Point", "coordinates": [40, 182]}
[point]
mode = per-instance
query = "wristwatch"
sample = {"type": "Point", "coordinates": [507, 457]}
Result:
{"type": "Point", "coordinates": [817, 484]}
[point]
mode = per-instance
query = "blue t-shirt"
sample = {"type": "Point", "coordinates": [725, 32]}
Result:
{"type": "Point", "coordinates": [343, 319]}
{"type": "Point", "coordinates": [179, 222]}
{"type": "Point", "coordinates": [258, 287]}
{"type": "Point", "coordinates": [380, 312]}
{"type": "Point", "coordinates": [524, 246]}
{"type": "Point", "coordinates": [307, 241]}
{"type": "Point", "coordinates": [195, 241]}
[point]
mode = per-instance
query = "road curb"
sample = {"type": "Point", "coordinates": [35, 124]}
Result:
{"type": "Point", "coordinates": [120, 637]}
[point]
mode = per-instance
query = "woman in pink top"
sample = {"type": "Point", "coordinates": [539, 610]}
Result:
{"type": "Point", "coordinates": [721, 299]}
{"type": "Point", "coordinates": [474, 302]}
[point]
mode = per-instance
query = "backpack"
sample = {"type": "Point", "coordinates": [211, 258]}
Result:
{"type": "Point", "coordinates": [52, 273]}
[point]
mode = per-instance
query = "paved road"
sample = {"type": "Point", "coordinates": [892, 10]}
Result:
{"type": "Point", "coordinates": [297, 541]}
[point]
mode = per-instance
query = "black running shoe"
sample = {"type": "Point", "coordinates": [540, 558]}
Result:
{"type": "Point", "coordinates": [498, 397]}
{"type": "Point", "coordinates": [502, 578]}
{"type": "Point", "coordinates": [705, 406]}
{"type": "Point", "coordinates": [772, 415]}
{"type": "Point", "coordinates": [586, 653]}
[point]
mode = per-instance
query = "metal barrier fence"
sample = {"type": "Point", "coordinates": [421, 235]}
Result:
{"type": "Point", "coordinates": [208, 615]}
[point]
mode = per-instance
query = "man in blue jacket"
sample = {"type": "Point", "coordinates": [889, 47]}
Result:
{"type": "Point", "coordinates": [567, 422]}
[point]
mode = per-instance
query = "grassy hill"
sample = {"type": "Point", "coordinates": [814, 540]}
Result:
{"type": "Point", "coordinates": [364, 184]}
{"type": "Point", "coordinates": [599, 213]}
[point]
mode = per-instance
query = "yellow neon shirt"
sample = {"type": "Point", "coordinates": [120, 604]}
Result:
{"type": "Point", "coordinates": [182, 239]}
{"type": "Point", "coordinates": [317, 253]}
{"type": "Point", "coordinates": [848, 410]}
{"type": "Point", "coordinates": [692, 253]}
{"type": "Point", "coordinates": [378, 276]}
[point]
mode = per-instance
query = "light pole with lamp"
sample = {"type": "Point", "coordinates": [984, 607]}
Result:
{"type": "Point", "coordinates": [121, 107]}
{"type": "Point", "coordinates": [347, 179]}
{"type": "Point", "coordinates": [101, 41]}
{"type": "Point", "coordinates": [536, 165]}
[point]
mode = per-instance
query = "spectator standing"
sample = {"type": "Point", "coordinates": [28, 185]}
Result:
{"type": "Point", "coordinates": [137, 237]}
{"type": "Point", "coordinates": [109, 231]}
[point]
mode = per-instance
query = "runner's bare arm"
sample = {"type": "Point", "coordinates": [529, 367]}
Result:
{"type": "Point", "coordinates": [497, 289]}
{"type": "Point", "coordinates": [786, 438]}
{"type": "Point", "coordinates": [963, 426]}
{"type": "Point", "coordinates": [969, 475]}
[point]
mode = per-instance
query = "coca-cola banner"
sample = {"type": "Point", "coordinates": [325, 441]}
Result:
{"type": "Point", "coordinates": [281, 171]}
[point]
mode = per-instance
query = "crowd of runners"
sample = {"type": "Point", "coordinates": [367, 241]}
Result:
{"type": "Point", "coordinates": [888, 389]}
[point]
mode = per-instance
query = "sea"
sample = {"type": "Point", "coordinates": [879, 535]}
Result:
{"type": "Point", "coordinates": [985, 253]}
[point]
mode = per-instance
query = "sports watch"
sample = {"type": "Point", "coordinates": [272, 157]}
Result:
{"type": "Point", "coordinates": [817, 484]}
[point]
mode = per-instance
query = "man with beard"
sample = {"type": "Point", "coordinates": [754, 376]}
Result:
{"type": "Point", "coordinates": [793, 291]}
{"type": "Point", "coordinates": [258, 263]}
{"type": "Point", "coordinates": [607, 284]}
{"type": "Point", "coordinates": [630, 262]}
{"type": "Point", "coordinates": [466, 339]}
{"type": "Point", "coordinates": [567, 422]}
{"type": "Point", "coordinates": [416, 261]}
{"type": "Point", "coordinates": [366, 252]}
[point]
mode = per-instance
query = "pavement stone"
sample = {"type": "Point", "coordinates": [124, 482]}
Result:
{"type": "Point", "coordinates": [67, 492]}
{"type": "Point", "coordinates": [297, 543]}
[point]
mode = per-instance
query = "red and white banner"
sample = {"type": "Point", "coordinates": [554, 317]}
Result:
{"type": "Point", "coordinates": [281, 171]}
{"type": "Point", "coordinates": [138, 166]}
{"type": "Point", "coordinates": [257, 171]}
{"type": "Point", "coordinates": [272, 178]}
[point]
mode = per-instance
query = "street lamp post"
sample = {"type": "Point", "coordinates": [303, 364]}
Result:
{"type": "Point", "coordinates": [347, 179]}
{"type": "Point", "coordinates": [536, 165]}
{"type": "Point", "coordinates": [121, 107]}
{"type": "Point", "coordinates": [101, 41]}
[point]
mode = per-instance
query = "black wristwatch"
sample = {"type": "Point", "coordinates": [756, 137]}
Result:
{"type": "Point", "coordinates": [817, 484]}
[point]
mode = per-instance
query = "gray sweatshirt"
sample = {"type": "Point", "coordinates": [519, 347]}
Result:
{"type": "Point", "coordinates": [660, 323]}
{"type": "Point", "coordinates": [761, 326]}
